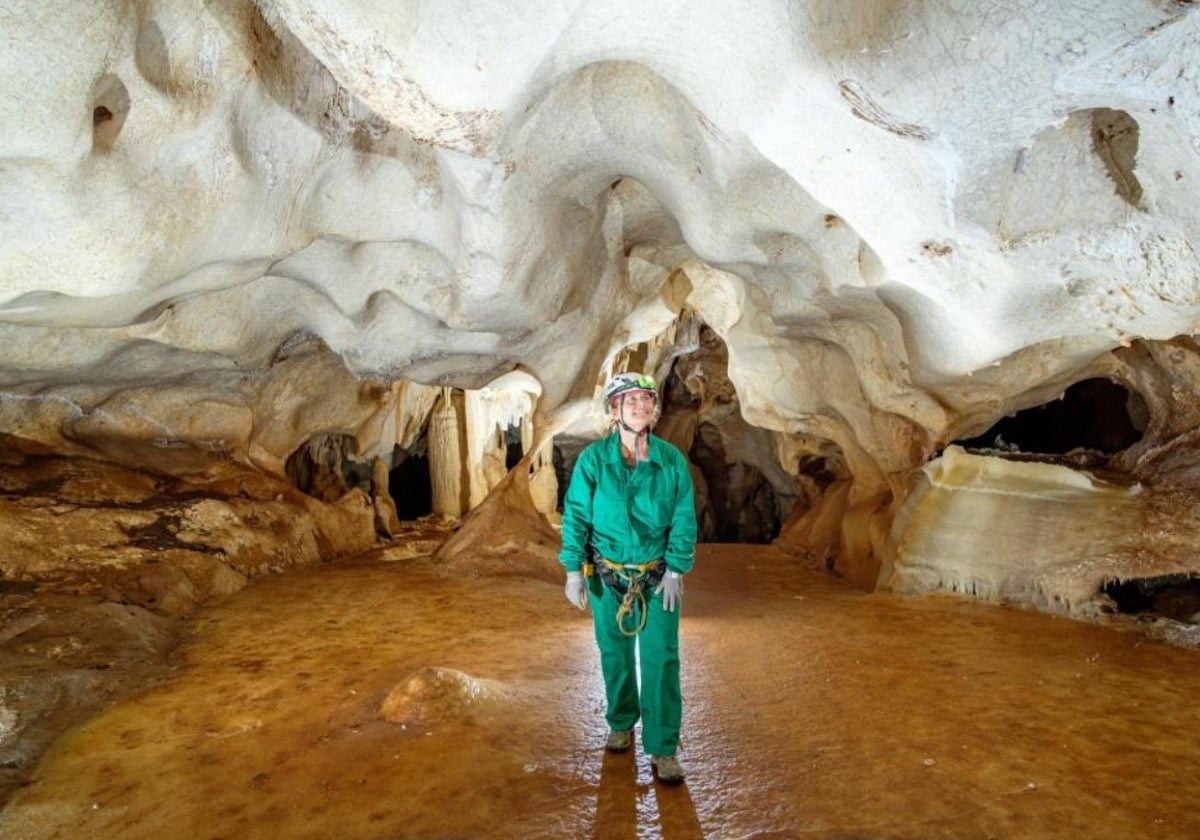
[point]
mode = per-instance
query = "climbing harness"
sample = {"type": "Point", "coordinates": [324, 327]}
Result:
{"type": "Point", "coordinates": [630, 581]}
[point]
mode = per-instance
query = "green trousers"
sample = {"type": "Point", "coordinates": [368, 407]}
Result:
{"type": "Point", "coordinates": [659, 704]}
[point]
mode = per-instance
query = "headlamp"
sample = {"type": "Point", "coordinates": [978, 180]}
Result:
{"type": "Point", "coordinates": [623, 382]}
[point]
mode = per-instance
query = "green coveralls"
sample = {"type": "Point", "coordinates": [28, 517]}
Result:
{"type": "Point", "coordinates": [634, 515]}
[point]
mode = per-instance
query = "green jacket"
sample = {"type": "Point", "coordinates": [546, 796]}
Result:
{"type": "Point", "coordinates": [632, 515]}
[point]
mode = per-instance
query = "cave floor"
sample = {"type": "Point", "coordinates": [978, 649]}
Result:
{"type": "Point", "coordinates": [811, 710]}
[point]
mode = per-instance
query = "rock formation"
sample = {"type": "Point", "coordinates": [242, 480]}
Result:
{"type": "Point", "coordinates": [355, 262]}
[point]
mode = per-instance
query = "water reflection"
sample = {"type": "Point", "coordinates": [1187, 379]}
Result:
{"type": "Point", "coordinates": [677, 812]}
{"type": "Point", "coordinates": [616, 797]}
{"type": "Point", "coordinates": [630, 804]}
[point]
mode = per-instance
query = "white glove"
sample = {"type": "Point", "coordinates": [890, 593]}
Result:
{"type": "Point", "coordinates": [671, 589]}
{"type": "Point", "coordinates": [575, 591]}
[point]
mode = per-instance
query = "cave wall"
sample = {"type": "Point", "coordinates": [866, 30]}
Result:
{"type": "Point", "coordinates": [231, 227]}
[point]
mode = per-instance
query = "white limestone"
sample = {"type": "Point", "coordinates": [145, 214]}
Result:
{"type": "Point", "coordinates": [897, 217]}
{"type": "Point", "coordinates": [1030, 533]}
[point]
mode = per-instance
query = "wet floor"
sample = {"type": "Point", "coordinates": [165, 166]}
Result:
{"type": "Point", "coordinates": [811, 710]}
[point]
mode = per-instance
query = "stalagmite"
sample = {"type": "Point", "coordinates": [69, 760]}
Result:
{"type": "Point", "coordinates": [445, 458]}
{"type": "Point", "coordinates": [284, 281]}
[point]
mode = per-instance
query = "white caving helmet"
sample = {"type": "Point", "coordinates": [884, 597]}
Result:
{"type": "Point", "coordinates": [627, 383]}
{"type": "Point", "coordinates": [623, 383]}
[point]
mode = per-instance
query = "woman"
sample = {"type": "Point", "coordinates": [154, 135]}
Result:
{"type": "Point", "coordinates": [629, 536]}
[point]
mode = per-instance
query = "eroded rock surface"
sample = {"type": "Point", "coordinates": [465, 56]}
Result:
{"type": "Point", "coordinates": [434, 695]}
{"type": "Point", "coordinates": [300, 272]}
{"type": "Point", "coordinates": [902, 222]}
{"type": "Point", "coordinates": [102, 566]}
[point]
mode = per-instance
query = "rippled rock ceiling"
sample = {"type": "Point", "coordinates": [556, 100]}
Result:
{"type": "Point", "coordinates": [249, 236]}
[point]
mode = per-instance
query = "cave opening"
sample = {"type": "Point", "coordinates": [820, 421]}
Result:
{"type": "Point", "coordinates": [1171, 596]}
{"type": "Point", "coordinates": [740, 504]}
{"type": "Point", "coordinates": [743, 494]}
{"type": "Point", "coordinates": [562, 458]}
{"type": "Point", "coordinates": [514, 449]}
{"type": "Point", "coordinates": [410, 483]}
{"type": "Point", "coordinates": [326, 466]}
{"type": "Point", "coordinates": [1093, 414]}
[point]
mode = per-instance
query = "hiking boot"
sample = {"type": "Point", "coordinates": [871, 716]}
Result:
{"type": "Point", "coordinates": [619, 741]}
{"type": "Point", "coordinates": [667, 768]}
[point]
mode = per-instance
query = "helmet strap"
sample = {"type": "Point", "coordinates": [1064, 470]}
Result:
{"type": "Point", "coordinates": [639, 437]}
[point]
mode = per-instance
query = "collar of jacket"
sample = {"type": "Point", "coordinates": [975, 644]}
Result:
{"type": "Point", "coordinates": [613, 451]}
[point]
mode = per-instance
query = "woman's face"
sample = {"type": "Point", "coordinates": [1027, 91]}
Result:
{"type": "Point", "coordinates": [636, 409]}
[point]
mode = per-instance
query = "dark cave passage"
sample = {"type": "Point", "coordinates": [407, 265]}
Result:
{"type": "Point", "coordinates": [409, 482]}
{"type": "Point", "coordinates": [1094, 414]}
{"type": "Point", "coordinates": [740, 503]}
{"type": "Point", "coordinates": [1171, 596]}
{"type": "Point", "coordinates": [514, 449]}
{"type": "Point", "coordinates": [326, 466]}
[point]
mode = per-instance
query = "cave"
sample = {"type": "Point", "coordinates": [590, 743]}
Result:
{"type": "Point", "coordinates": [736, 501]}
{"type": "Point", "coordinates": [306, 312]}
{"type": "Point", "coordinates": [563, 461]}
{"type": "Point", "coordinates": [514, 449]}
{"type": "Point", "coordinates": [326, 467]}
{"type": "Point", "coordinates": [1176, 597]}
{"type": "Point", "coordinates": [1094, 414]}
{"type": "Point", "coordinates": [410, 483]}
{"type": "Point", "coordinates": [740, 506]}
{"type": "Point", "coordinates": [742, 497]}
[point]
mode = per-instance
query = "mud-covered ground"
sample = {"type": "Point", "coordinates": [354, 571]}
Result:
{"type": "Point", "coordinates": [103, 569]}
{"type": "Point", "coordinates": [68, 650]}
{"type": "Point", "coordinates": [811, 710]}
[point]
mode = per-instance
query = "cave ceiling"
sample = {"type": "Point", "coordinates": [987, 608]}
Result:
{"type": "Point", "coordinates": [904, 220]}
{"type": "Point", "coordinates": [287, 281]}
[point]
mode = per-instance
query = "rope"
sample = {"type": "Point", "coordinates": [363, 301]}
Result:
{"type": "Point", "coordinates": [634, 578]}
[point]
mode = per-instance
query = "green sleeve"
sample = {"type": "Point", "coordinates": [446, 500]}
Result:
{"type": "Point", "coordinates": [681, 540]}
{"type": "Point", "coordinates": [577, 512]}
